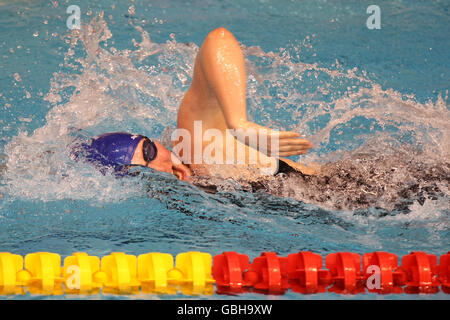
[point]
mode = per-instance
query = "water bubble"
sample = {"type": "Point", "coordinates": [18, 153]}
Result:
{"type": "Point", "coordinates": [17, 77]}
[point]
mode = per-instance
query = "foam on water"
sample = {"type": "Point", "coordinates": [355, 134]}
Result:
{"type": "Point", "coordinates": [102, 90]}
{"type": "Point", "coordinates": [385, 140]}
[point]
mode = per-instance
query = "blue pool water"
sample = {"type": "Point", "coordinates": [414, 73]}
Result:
{"type": "Point", "coordinates": [313, 67]}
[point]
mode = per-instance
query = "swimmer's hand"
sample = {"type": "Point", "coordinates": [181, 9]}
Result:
{"type": "Point", "coordinates": [180, 170]}
{"type": "Point", "coordinates": [306, 170]}
{"type": "Point", "coordinates": [289, 142]}
{"type": "Point", "coordinates": [165, 161]}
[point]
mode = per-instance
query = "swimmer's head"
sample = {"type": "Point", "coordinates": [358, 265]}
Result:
{"type": "Point", "coordinates": [121, 148]}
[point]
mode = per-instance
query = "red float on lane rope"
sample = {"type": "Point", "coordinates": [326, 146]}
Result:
{"type": "Point", "coordinates": [420, 270]}
{"type": "Point", "coordinates": [345, 269]}
{"type": "Point", "coordinates": [268, 273]}
{"type": "Point", "coordinates": [305, 272]}
{"type": "Point", "coordinates": [387, 278]}
{"type": "Point", "coordinates": [444, 272]}
{"type": "Point", "coordinates": [228, 269]}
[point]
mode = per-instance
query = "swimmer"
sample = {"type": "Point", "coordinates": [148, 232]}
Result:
{"type": "Point", "coordinates": [121, 150]}
{"type": "Point", "coordinates": [216, 98]}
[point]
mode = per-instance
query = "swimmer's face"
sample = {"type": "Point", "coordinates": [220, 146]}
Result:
{"type": "Point", "coordinates": [164, 161]}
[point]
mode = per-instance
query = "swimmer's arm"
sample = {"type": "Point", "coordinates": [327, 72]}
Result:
{"type": "Point", "coordinates": [224, 67]}
{"type": "Point", "coordinates": [223, 64]}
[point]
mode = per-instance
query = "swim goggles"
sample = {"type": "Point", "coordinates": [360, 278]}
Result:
{"type": "Point", "coordinates": [149, 151]}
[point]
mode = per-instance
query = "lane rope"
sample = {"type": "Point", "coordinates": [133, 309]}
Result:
{"type": "Point", "coordinates": [198, 273]}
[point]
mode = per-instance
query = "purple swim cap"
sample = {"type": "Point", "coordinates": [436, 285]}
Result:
{"type": "Point", "coordinates": [116, 148]}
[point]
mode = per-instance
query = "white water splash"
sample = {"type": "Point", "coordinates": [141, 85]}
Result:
{"type": "Point", "coordinates": [106, 91]}
{"type": "Point", "coordinates": [139, 90]}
